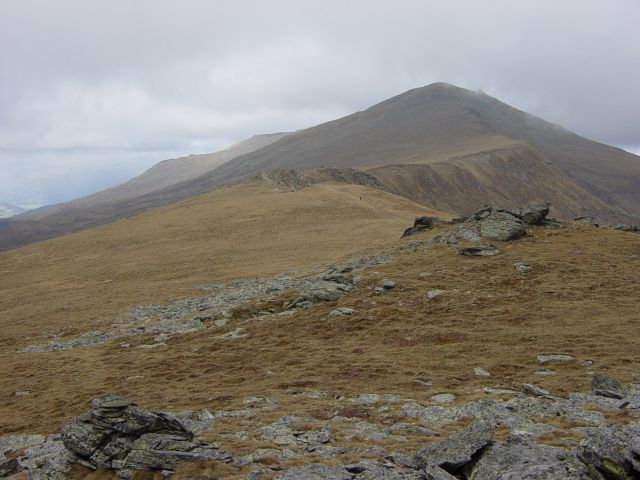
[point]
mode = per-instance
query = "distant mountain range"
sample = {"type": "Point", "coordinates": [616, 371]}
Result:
{"type": "Point", "coordinates": [9, 210]}
{"type": "Point", "coordinates": [441, 146]}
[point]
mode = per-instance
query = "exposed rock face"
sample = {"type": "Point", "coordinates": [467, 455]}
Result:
{"type": "Point", "coordinates": [119, 435]}
{"type": "Point", "coordinates": [420, 224]}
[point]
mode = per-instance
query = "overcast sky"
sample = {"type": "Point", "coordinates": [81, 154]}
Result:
{"type": "Point", "coordinates": [93, 91]}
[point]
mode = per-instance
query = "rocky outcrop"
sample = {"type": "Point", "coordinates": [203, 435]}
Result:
{"type": "Point", "coordinates": [214, 309]}
{"type": "Point", "coordinates": [497, 224]}
{"type": "Point", "coordinates": [420, 224]}
{"type": "Point", "coordinates": [503, 439]}
{"type": "Point", "coordinates": [119, 435]}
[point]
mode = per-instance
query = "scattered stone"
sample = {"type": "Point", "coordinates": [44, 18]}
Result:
{"type": "Point", "coordinates": [481, 372]}
{"type": "Point", "coordinates": [424, 275]}
{"type": "Point", "coordinates": [420, 224]}
{"type": "Point", "coordinates": [555, 358]}
{"type": "Point", "coordinates": [377, 291]}
{"type": "Point", "coordinates": [431, 294]}
{"type": "Point", "coordinates": [457, 450]}
{"type": "Point", "coordinates": [607, 387]}
{"type": "Point", "coordinates": [480, 251]}
{"type": "Point", "coordinates": [587, 363]}
{"type": "Point", "coordinates": [341, 312]}
{"type": "Point", "coordinates": [443, 398]}
{"type": "Point", "coordinates": [424, 382]}
{"type": "Point", "coordinates": [538, 391]}
{"type": "Point", "coordinates": [22, 393]}
{"type": "Point", "coordinates": [545, 373]}
{"type": "Point", "coordinates": [388, 284]}
{"type": "Point", "coordinates": [522, 267]}
{"type": "Point", "coordinates": [499, 391]}
{"type": "Point", "coordinates": [237, 333]}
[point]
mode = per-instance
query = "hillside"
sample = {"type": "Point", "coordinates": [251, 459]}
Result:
{"type": "Point", "coordinates": [202, 305]}
{"type": "Point", "coordinates": [437, 138]}
{"type": "Point", "coordinates": [242, 231]}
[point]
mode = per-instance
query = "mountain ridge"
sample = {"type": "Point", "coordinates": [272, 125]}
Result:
{"type": "Point", "coordinates": [424, 126]}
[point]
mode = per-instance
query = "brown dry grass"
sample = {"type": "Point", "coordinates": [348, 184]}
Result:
{"type": "Point", "coordinates": [238, 232]}
{"type": "Point", "coordinates": [581, 299]}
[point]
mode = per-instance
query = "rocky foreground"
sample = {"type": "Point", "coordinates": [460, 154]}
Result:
{"type": "Point", "coordinates": [480, 440]}
{"type": "Point", "coordinates": [522, 432]}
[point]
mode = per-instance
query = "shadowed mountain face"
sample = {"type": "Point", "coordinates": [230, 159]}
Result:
{"type": "Point", "coordinates": [439, 145]}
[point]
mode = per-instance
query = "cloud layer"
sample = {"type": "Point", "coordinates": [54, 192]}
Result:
{"type": "Point", "coordinates": [92, 92]}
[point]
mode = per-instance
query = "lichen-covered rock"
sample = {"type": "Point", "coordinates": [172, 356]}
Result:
{"type": "Point", "coordinates": [607, 387]}
{"type": "Point", "coordinates": [613, 451]}
{"type": "Point", "coordinates": [119, 435]}
{"type": "Point", "coordinates": [518, 459]}
{"type": "Point", "coordinates": [457, 450]}
{"type": "Point", "coordinates": [501, 226]}
{"type": "Point", "coordinates": [48, 460]}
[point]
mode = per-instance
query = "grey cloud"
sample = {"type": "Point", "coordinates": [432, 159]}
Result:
{"type": "Point", "coordinates": [130, 83]}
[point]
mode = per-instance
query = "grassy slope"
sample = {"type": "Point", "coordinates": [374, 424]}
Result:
{"type": "Point", "coordinates": [242, 231]}
{"type": "Point", "coordinates": [580, 298]}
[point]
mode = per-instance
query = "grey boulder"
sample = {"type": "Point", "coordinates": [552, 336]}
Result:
{"type": "Point", "coordinates": [457, 450]}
